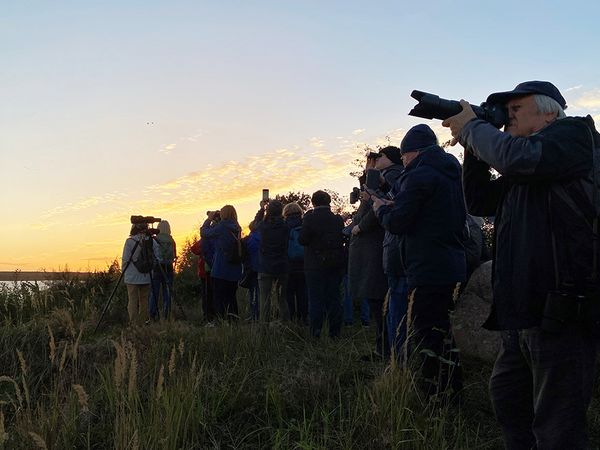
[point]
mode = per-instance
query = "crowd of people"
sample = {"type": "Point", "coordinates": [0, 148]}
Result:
{"type": "Point", "coordinates": [411, 244]}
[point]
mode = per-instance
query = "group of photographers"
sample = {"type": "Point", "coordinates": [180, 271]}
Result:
{"type": "Point", "coordinates": [406, 256]}
{"type": "Point", "coordinates": [148, 257]}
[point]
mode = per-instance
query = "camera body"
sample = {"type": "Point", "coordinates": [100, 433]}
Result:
{"type": "Point", "coordinates": [136, 220]}
{"type": "Point", "coordinates": [431, 106]}
{"type": "Point", "coordinates": [142, 223]}
{"type": "Point", "coordinates": [216, 214]}
{"type": "Point", "coordinates": [563, 308]}
{"type": "Point", "coordinates": [354, 195]}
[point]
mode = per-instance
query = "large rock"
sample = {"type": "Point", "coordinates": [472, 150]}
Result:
{"type": "Point", "coordinates": [472, 308]}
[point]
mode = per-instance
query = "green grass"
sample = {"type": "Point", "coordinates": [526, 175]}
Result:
{"type": "Point", "coordinates": [178, 385]}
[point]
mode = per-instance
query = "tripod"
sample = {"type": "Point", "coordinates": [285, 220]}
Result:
{"type": "Point", "coordinates": [130, 260]}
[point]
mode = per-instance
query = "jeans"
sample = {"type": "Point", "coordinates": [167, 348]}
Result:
{"type": "Point", "coordinates": [541, 388]}
{"type": "Point", "coordinates": [266, 282]}
{"type": "Point", "coordinates": [365, 311]}
{"type": "Point", "coordinates": [324, 298]}
{"type": "Point", "coordinates": [297, 297]}
{"type": "Point", "coordinates": [397, 307]}
{"type": "Point", "coordinates": [225, 300]}
{"type": "Point", "coordinates": [431, 341]}
{"type": "Point", "coordinates": [162, 280]}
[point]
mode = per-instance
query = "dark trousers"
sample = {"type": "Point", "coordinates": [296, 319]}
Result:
{"type": "Point", "coordinates": [541, 388]}
{"type": "Point", "coordinates": [430, 339]}
{"type": "Point", "coordinates": [224, 298]}
{"type": "Point", "coordinates": [324, 299]}
{"type": "Point", "coordinates": [382, 345]}
{"type": "Point", "coordinates": [208, 302]}
{"type": "Point", "coordinates": [297, 297]}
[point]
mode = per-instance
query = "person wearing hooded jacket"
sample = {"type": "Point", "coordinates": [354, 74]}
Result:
{"type": "Point", "coordinates": [225, 272]}
{"type": "Point", "coordinates": [428, 214]}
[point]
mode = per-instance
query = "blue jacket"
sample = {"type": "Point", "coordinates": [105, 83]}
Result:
{"type": "Point", "coordinates": [295, 221]}
{"type": "Point", "coordinates": [252, 242]}
{"type": "Point", "coordinates": [429, 217]}
{"type": "Point", "coordinates": [527, 206]}
{"type": "Point", "coordinates": [224, 234]}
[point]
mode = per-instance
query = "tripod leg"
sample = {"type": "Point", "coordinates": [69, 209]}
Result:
{"type": "Point", "coordinates": [137, 243]}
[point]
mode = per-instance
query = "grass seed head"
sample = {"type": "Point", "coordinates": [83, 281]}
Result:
{"type": "Point", "coordinates": [172, 362]}
{"type": "Point", "coordinates": [22, 362]}
{"type": "Point", "coordinates": [39, 441]}
{"type": "Point", "coordinates": [52, 345]}
{"type": "Point", "coordinates": [82, 397]}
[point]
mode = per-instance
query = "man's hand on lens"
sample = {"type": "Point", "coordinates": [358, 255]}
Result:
{"type": "Point", "coordinates": [457, 122]}
{"type": "Point", "coordinates": [355, 230]}
{"type": "Point", "coordinates": [379, 202]}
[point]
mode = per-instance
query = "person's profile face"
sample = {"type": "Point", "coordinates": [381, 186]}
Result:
{"type": "Point", "coordinates": [382, 162]}
{"type": "Point", "coordinates": [524, 118]}
{"type": "Point", "coordinates": [408, 157]}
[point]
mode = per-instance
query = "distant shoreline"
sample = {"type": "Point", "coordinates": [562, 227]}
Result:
{"type": "Point", "coordinates": [40, 276]}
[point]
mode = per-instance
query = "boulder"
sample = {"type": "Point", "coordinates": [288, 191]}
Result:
{"type": "Point", "coordinates": [472, 309]}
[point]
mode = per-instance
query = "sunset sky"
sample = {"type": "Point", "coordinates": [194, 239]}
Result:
{"type": "Point", "coordinates": [173, 108]}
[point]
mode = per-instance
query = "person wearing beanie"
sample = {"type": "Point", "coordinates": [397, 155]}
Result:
{"type": "Point", "coordinates": [428, 216]}
{"type": "Point", "coordinates": [543, 271]}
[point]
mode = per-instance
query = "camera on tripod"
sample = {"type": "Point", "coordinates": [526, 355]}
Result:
{"type": "Point", "coordinates": [431, 106]}
{"type": "Point", "coordinates": [354, 195]}
{"type": "Point", "coordinates": [140, 221]}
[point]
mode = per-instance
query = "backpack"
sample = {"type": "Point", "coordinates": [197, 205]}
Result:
{"type": "Point", "coordinates": [145, 259]}
{"type": "Point", "coordinates": [167, 248]}
{"type": "Point", "coordinates": [295, 250]}
{"type": "Point", "coordinates": [233, 252]}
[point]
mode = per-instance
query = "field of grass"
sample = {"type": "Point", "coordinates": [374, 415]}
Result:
{"type": "Point", "coordinates": [180, 385]}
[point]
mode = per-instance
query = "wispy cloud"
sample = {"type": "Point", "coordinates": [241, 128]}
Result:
{"type": "Point", "coordinates": [574, 88]}
{"type": "Point", "coordinates": [358, 131]}
{"type": "Point", "coordinates": [168, 148]}
{"type": "Point", "coordinates": [316, 142]}
{"type": "Point", "coordinates": [588, 100]}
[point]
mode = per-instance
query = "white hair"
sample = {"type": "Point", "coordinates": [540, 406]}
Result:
{"type": "Point", "coordinates": [164, 227]}
{"type": "Point", "coordinates": [547, 104]}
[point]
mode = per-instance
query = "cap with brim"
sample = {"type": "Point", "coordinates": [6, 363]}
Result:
{"type": "Point", "coordinates": [529, 88]}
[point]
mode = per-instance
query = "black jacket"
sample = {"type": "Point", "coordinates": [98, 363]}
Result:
{"type": "Point", "coordinates": [273, 251]}
{"type": "Point", "coordinates": [527, 207]}
{"type": "Point", "coordinates": [321, 235]}
{"type": "Point", "coordinates": [429, 216]}
{"type": "Point", "coordinates": [392, 262]}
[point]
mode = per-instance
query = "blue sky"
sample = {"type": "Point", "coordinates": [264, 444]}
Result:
{"type": "Point", "coordinates": [171, 108]}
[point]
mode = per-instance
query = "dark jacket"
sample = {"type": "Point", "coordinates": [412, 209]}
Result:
{"type": "Point", "coordinates": [526, 205]}
{"type": "Point", "coordinates": [295, 221]}
{"type": "Point", "coordinates": [321, 235]}
{"type": "Point", "coordinates": [392, 263]}
{"type": "Point", "coordinates": [224, 235]}
{"type": "Point", "coordinates": [429, 216]}
{"type": "Point", "coordinates": [274, 235]}
{"type": "Point", "coordinates": [252, 245]}
{"type": "Point", "coordinates": [366, 278]}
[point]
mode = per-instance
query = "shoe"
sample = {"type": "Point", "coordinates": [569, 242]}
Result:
{"type": "Point", "coordinates": [210, 325]}
{"type": "Point", "coordinates": [365, 323]}
{"type": "Point", "coordinates": [348, 324]}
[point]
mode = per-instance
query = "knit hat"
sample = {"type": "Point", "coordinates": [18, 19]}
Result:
{"type": "Point", "coordinates": [392, 153]}
{"type": "Point", "coordinates": [418, 137]}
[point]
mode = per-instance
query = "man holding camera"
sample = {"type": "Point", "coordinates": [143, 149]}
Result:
{"type": "Point", "coordinates": [428, 214]}
{"type": "Point", "coordinates": [543, 280]}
